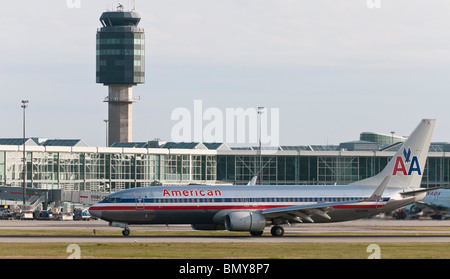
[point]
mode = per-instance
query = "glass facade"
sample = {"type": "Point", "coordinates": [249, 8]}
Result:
{"type": "Point", "coordinates": [111, 170]}
{"type": "Point", "coordinates": [122, 62]}
{"type": "Point", "coordinates": [303, 170]}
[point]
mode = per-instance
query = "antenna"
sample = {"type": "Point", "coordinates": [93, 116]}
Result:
{"type": "Point", "coordinates": [109, 6]}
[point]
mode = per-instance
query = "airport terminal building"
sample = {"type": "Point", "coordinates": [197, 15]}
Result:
{"type": "Point", "coordinates": [72, 165]}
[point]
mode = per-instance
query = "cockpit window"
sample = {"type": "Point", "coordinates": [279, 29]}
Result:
{"type": "Point", "coordinates": [113, 199]}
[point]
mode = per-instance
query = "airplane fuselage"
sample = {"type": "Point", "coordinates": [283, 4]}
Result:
{"type": "Point", "coordinates": [210, 204]}
{"type": "Point", "coordinates": [440, 198]}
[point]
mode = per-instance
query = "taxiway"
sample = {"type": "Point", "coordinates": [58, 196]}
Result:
{"type": "Point", "coordinates": [366, 230]}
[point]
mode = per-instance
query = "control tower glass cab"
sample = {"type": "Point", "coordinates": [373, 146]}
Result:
{"type": "Point", "coordinates": [120, 66]}
{"type": "Point", "coordinates": [120, 49]}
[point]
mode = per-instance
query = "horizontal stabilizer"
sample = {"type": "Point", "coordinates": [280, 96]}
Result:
{"type": "Point", "coordinates": [379, 191]}
{"type": "Point", "coordinates": [415, 192]}
{"type": "Point", "coordinates": [252, 181]}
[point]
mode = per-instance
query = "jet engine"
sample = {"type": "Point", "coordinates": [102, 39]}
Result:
{"type": "Point", "coordinates": [412, 209]}
{"type": "Point", "coordinates": [245, 221]}
{"type": "Point", "coordinates": [415, 209]}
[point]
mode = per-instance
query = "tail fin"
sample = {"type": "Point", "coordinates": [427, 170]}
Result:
{"type": "Point", "coordinates": [406, 168]}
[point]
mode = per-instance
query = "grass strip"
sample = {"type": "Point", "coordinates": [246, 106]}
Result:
{"type": "Point", "coordinates": [90, 233]}
{"type": "Point", "coordinates": [225, 250]}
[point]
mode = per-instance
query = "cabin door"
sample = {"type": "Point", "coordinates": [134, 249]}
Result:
{"type": "Point", "coordinates": [140, 201]}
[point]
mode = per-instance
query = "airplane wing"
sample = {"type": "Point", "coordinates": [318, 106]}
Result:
{"type": "Point", "coordinates": [305, 212]}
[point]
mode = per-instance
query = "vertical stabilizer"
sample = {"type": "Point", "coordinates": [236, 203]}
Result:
{"type": "Point", "coordinates": [406, 168]}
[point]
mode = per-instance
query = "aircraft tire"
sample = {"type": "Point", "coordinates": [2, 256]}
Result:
{"type": "Point", "coordinates": [257, 233]}
{"type": "Point", "coordinates": [277, 231]}
{"type": "Point", "coordinates": [126, 232]}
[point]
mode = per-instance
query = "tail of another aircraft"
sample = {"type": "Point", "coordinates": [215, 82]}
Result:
{"type": "Point", "coordinates": [406, 168]}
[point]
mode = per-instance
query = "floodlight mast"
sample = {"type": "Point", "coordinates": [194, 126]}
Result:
{"type": "Point", "coordinates": [260, 112]}
{"type": "Point", "coordinates": [24, 170]}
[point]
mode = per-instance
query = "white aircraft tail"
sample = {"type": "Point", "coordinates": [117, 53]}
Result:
{"type": "Point", "coordinates": [406, 168]}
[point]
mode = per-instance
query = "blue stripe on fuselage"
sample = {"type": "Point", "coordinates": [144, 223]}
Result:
{"type": "Point", "coordinates": [234, 200]}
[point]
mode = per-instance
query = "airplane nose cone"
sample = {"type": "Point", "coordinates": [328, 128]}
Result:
{"type": "Point", "coordinates": [95, 211]}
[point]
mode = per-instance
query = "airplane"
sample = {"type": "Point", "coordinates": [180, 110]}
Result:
{"type": "Point", "coordinates": [436, 203]}
{"type": "Point", "coordinates": [253, 207]}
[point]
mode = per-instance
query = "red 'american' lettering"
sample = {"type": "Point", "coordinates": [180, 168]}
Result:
{"type": "Point", "coordinates": [192, 193]}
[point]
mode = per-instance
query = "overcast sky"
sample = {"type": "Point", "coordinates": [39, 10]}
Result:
{"type": "Point", "coordinates": [334, 69]}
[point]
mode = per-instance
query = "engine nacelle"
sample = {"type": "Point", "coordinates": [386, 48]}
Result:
{"type": "Point", "coordinates": [245, 221]}
{"type": "Point", "coordinates": [207, 227]}
{"type": "Point", "coordinates": [415, 209]}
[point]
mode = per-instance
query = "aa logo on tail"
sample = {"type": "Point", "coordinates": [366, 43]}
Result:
{"type": "Point", "coordinates": [401, 164]}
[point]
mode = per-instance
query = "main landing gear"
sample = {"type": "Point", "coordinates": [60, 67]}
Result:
{"type": "Point", "coordinates": [277, 231]}
{"type": "Point", "coordinates": [257, 233]}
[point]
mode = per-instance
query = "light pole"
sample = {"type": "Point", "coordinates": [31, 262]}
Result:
{"type": "Point", "coordinates": [260, 112]}
{"type": "Point", "coordinates": [24, 106]}
{"type": "Point", "coordinates": [106, 122]}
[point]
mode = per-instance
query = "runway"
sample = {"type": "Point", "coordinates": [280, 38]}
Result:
{"type": "Point", "coordinates": [371, 231]}
{"type": "Point", "coordinates": [221, 239]}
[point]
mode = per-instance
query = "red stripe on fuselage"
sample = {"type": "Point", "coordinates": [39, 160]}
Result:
{"type": "Point", "coordinates": [223, 207]}
{"type": "Point", "coordinates": [181, 207]}
{"type": "Point", "coordinates": [354, 206]}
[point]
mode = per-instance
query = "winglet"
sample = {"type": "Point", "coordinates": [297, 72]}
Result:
{"type": "Point", "coordinates": [253, 181]}
{"type": "Point", "coordinates": [379, 191]}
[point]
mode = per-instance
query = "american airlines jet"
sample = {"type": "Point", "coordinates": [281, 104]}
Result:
{"type": "Point", "coordinates": [252, 208]}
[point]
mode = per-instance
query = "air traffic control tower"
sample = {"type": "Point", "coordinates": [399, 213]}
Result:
{"type": "Point", "coordinates": [120, 66]}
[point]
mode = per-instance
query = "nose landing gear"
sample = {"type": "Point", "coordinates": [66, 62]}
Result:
{"type": "Point", "coordinates": [124, 226]}
{"type": "Point", "coordinates": [126, 232]}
